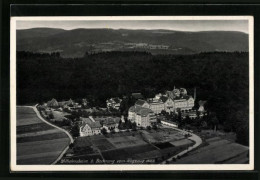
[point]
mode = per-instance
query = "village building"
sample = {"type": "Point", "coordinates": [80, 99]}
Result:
{"type": "Point", "coordinates": [84, 102]}
{"type": "Point", "coordinates": [156, 105]}
{"type": "Point", "coordinates": [89, 127]}
{"type": "Point", "coordinates": [168, 104]}
{"type": "Point", "coordinates": [53, 103]}
{"type": "Point", "coordinates": [142, 103]}
{"type": "Point", "coordinates": [143, 117]}
{"type": "Point", "coordinates": [114, 103]}
{"type": "Point", "coordinates": [201, 108]}
{"type": "Point", "coordinates": [70, 102]}
{"type": "Point", "coordinates": [183, 103]}
{"type": "Point", "coordinates": [111, 123]}
{"type": "Point", "coordinates": [181, 100]}
{"type": "Point", "coordinates": [190, 113]}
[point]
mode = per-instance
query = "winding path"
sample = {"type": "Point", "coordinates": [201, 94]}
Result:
{"type": "Point", "coordinates": [68, 134]}
{"type": "Point", "coordinates": [193, 137]}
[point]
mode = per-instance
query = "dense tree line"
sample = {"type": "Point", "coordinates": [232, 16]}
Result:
{"type": "Point", "coordinates": [221, 78]}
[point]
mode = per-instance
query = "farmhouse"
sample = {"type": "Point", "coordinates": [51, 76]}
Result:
{"type": "Point", "coordinates": [111, 123]}
{"type": "Point", "coordinates": [89, 127]}
{"type": "Point", "coordinates": [70, 102]}
{"type": "Point", "coordinates": [53, 103]}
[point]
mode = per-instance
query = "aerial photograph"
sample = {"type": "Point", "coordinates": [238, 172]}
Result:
{"type": "Point", "coordinates": [132, 92]}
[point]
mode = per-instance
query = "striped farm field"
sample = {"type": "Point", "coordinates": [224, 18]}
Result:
{"type": "Point", "coordinates": [37, 141]}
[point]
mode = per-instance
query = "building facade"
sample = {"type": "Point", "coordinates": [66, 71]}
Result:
{"type": "Point", "coordinates": [89, 128]}
{"type": "Point", "coordinates": [156, 105]}
{"type": "Point", "coordinates": [143, 117]}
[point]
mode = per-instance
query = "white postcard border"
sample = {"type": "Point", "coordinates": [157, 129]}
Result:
{"type": "Point", "coordinates": [159, 167]}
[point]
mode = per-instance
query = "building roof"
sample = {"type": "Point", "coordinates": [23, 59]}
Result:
{"type": "Point", "coordinates": [52, 102]}
{"type": "Point", "coordinates": [164, 99]}
{"type": "Point", "coordinates": [183, 90]}
{"type": "Point", "coordinates": [144, 112]}
{"type": "Point", "coordinates": [140, 102]}
{"type": "Point", "coordinates": [114, 100]}
{"type": "Point", "coordinates": [134, 108]}
{"type": "Point", "coordinates": [90, 123]}
{"type": "Point", "coordinates": [186, 97]}
{"type": "Point", "coordinates": [109, 121]}
{"type": "Point", "coordinates": [154, 101]}
{"type": "Point", "coordinates": [140, 110]}
{"type": "Point", "coordinates": [69, 102]}
{"type": "Point", "coordinates": [137, 95]}
{"type": "Point", "coordinates": [202, 103]}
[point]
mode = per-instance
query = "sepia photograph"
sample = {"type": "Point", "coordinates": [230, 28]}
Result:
{"type": "Point", "coordinates": [132, 93]}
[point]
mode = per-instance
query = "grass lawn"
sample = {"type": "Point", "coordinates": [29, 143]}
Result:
{"type": "Point", "coordinates": [33, 128]}
{"type": "Point", "coordinates": [181, 142]}
{"type": "Point", "coordinates": [218, 151]}
{"type": "Point", "coordinates": [42, 137]}
{"type": "Point", "coordinates": [37, 142]}
{"type": "Point", "coordinates": [59, 115]}
{"type": "Point", "coordinates": [126, 141]}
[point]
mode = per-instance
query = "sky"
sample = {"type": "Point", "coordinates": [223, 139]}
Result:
{"type": "Point", "coordinates": [178, 25]}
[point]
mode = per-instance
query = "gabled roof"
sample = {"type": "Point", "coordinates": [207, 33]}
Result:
{"type": "Point", "coordinates": [140, 110]}
{"type": "Point", "coordinates": [109, 121]}
{"type": "Point", "coordinates": [164, 99]}
{"type": "Point", "coordinates": [154, 101]}
{"type": "Point", "coordinates": [140, 102]}
{"type": "Point", "coordinates": [90, 123]}
{"type": "Point", "coordinates": [137, 95]}
{"type": "Point", "coordinates": [52, 102]}
{"type": "Point", "coordinates": [114, 100]}
{"type": "Point", "coordinates": [69, 102]}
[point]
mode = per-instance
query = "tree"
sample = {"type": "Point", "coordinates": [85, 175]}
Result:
{"type": "Point", "coordinates": [75, 131]}
{"type": "Point", "coordinates": [214, 121]}
{"type": "Point", "coordinates": [155, 127]}
{"type": "Point", "coordinates": [159, 121]}
{"type": "Point", "coordinates": [113, 131]}
{"type": "Point", "coordinates": [134, 126]}
{"type": "Point", "coordinates": [51, 116]}
{"type": "Point", "coordinates": [163, 112]}
{"type": "Point", "coordinates": [104, 131]}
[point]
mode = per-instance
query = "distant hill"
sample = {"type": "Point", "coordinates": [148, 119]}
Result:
{"type": "Point", "coordinates": [37, 32]}
{"type": "Point", "coordinates": [74, 43]}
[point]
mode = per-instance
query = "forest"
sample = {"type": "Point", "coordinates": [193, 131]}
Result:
{"type": "Point", "coordinates": [220, 78]}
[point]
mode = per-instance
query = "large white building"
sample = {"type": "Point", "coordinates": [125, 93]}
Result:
{"type": "Point", "coordinates": [156, 105]}
{"type": "Point", "coordinates": [179, 99]}
{"type": "Point", "coordinates": [168, 104]}
{"type": "Point", "coordinates": [184, 103]}
{"type": "Point", "coordinates": [142, 116]}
